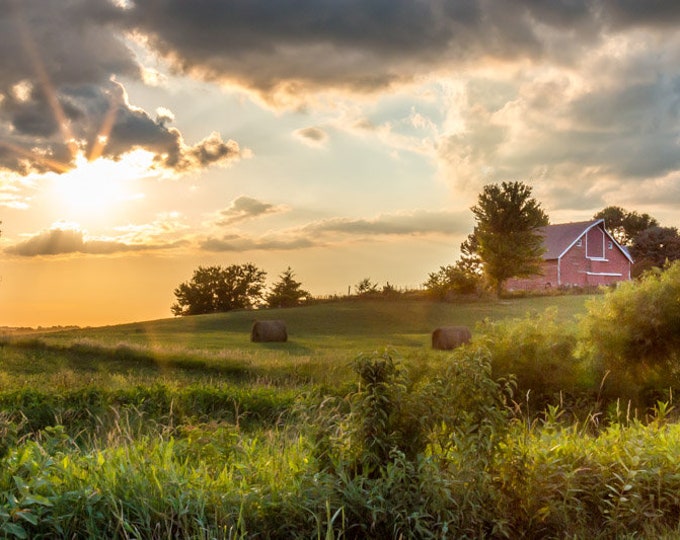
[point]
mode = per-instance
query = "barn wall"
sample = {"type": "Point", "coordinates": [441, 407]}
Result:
{"type": "Point", "coordinates": [546, 280]}
{"type": "Point", "coordinates": [595, 242]}
{"type": "Point", "coordinates": [577, 270]}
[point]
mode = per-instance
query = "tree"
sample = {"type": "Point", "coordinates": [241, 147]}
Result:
{"type": "Point", "coordinates": [287, 292]}
{"type": "Point", "coordinates": [624, 226]}
{"type": "Point", "coordinates": [215, 289]}
{"type": "Point", "coordinates": [505, 238]}
{"type": "Point", "coordinates": [655, 246]}
{"type": "Point", "coordinates": [452, 279]}
{"type": "Point", "coordinates": [365, 287]}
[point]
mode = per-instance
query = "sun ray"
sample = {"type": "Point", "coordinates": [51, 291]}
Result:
{"type": "Point", "coordinates": [102, 137]}
{"type": "Point", "coordinates": [46, 84]}
{"type": "Point", "coordinates": [52, 164]}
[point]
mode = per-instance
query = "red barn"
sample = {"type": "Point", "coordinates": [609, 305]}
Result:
{"type": "Point", "coordinates": [579, 254]}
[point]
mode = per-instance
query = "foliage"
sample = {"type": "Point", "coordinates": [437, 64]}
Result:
{"type": "Point", "coordinates": [623, 225]}
{"type": "Point", "coordinates": [287, 292]}
{"type": "Point", "coordinates": [452, 280]}
{"type": "Point", "coordinates": [634, 331]}
{"type": "Point", "coordinates": [656, 246]}
{"type": "Point", "coordinates": [505, 237]}
{"type": "Point", "coordinates": [139, 435]}
{"type": "Point", "coordinates": [215, 289]}
{"type": "Point", "coordinates": [557, 481]}
{"type": "Point", "coordinates": [539, 352]}
{"type": "Point", "coordinates": [408, 451]}
{"type": "Point", "coordinates": [366, 287]}
{"type": "Point", "coordinates": [389, 290]}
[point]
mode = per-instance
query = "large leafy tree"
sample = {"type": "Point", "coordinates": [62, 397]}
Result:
{"type": "Point", "coordinates": [624, 225]}
{"type": "Point", "coordinates": [655, 246]}
{"type": "Point", "coordinates": [287, 292]}
{"type": "Point", "coordinates": [505, 239]}
{"type": "Point", "coordinates": [214, 289]}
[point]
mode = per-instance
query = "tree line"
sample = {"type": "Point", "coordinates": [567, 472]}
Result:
{"type": "Point", "coordinates": [504, 243]}
{"type": "Point", "coordinates": [215, 289]}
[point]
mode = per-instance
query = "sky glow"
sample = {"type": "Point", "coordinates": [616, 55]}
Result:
{"type": "Point", "coordinates": [343, 138]}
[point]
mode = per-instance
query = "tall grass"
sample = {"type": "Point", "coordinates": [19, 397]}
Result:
{"type": "Point", "coordinates": [472, 469]}
{"type": "Point", "coordinates": [184, 429]}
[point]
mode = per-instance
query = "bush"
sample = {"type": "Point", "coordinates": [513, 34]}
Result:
{"type": "Point", "coordinates": [408, 451]}
{"type": "Point", "coordinates": [633, 332]}
{"type": "Point", "coordinates": [449, 281]}
{"type": "Point", "coordinates": [538, 352]}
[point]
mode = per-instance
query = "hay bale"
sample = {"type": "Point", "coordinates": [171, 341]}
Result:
{"type": "Point", "coordinates": [267, 331]}
{"type": "Point", "coordinates": [449, 337]}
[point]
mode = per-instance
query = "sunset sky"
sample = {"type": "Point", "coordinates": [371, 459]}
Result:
{"type": "Point", "coordinates": [346, 139]}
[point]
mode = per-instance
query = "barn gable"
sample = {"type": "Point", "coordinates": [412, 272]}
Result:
{"type": "Point", "coordinates": [578, 254]}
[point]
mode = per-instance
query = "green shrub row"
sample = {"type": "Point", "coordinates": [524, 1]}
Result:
{"type": "Point", "coordinates": [625, 347]}
{"type": "Point", "coordinates": [92, 411]}
{"type": "Point", "coordinates": [402, 455]}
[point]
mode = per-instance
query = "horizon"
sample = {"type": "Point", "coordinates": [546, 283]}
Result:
{"type": "Point", "coordinates": [140, 140]}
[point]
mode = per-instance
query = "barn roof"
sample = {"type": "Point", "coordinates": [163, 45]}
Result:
{"type": "Point", "coordinates": [558, 238]}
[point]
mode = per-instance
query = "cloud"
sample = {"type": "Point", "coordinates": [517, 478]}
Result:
{"type": "Point", "coordinates": [334, 230]}
{"type": "Point", "coordinates": [294, 48]}
{"type": "Point", "coordinates": [11, 196]}
{"type": "Point", "coordinates": [245, 208]}
{"type": "Point", "coordinates": [551, 92]}
{"type": "Point", "coordinates": [60, 95]}
{"type": "Point", "coordinates": [167, 229]}
{"type": "Point", "coordinates": [239, 243]}
{"type": "Point", "coordinates": [64, 239]}
{"type": "Point", "coordinates": [581, 136]}
{"type": "Point", "coordinates": [312, 136]}
{"type": "Point", "coordinates": [419, 222]}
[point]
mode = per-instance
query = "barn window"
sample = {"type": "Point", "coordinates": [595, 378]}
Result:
{"type": "Point", "coordinates": [580, 242]}
{"type": "Point", "coordinates": [610, 245]}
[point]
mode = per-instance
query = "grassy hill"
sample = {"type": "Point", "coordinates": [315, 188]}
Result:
{"type": "Point", "coordinates": [349, 325]}
{"type": "Point", "coordinates": [210, 349]}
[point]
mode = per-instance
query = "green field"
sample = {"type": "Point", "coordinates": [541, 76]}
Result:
{"type": "Point", "coordinates": [354, 428]}
{"type": "Point", "coordinates": [323, 339]}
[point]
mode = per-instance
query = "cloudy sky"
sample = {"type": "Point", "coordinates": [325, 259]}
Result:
{"type": "Point", "coordinates": [343, 138]}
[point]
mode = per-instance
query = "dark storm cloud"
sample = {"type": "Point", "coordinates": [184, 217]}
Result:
{"type": "Point", "coordinates": [57, 59]}
{"type": "Point", "coordinates": [57, 241]}
{"type": "Point", "coordinates": [57, 95]}
{"type": "Point", "coordinates": [282, 47]}
{"type": "Point", "coordinates": [288, 46]}
{"type": "Point", "coordinates": [653, 13]}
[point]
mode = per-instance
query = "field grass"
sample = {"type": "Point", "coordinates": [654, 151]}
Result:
{"type": "Point", "coordinates": [323, 340]}
{"type": "Point", "coordinates": [183, 428]}
{"type": "Point", "coordinates": [348, 326]}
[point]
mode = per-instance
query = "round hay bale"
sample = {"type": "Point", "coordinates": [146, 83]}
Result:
{"type": "Point", "coordinates": [268, 331]}
{"type": "Point", "coordinates": [446, 338]}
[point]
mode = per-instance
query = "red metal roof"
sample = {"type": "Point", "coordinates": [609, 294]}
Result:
{"type": "Point", "coordinates": [558, 238]}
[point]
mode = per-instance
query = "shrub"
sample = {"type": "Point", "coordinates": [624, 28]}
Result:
{"type": "Point", "coordinates": [408, 451]}
{"type": "Point", "coordinates": [633, 332]}
{"type": "Point", "coordinates": [538, 352]}
{"type": "Point", "coordinates": [452, 280]}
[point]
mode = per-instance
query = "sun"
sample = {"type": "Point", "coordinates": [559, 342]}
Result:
{"type": "Point", "coordinates": [99, 188]}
